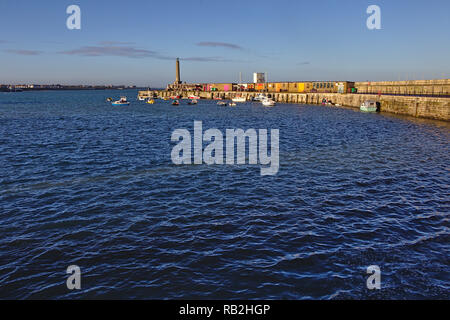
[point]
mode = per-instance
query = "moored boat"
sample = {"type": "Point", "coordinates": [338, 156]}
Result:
{"type": "Point", "coordinates": [192, 102]}
{"type": "Point", "coordinates": [260, 97]}
{"type": "Point", "coordinates": [222, 103]}
{"type": "Point", "coordinates": [268, 102]}
{"type": "Point", "coordinates": [121, 102]}
{"type": "Point", "coordinates": [370, 106]}
{"type": "Point", "coordinates": [239, 99]}
{"type": "Point", "coordinates": [176, 103]}
{"type": "Point", "coordinates": [150, 101]}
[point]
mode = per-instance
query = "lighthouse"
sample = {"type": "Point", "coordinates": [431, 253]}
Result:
{"type": "Point", "coordinates": [177, 76]}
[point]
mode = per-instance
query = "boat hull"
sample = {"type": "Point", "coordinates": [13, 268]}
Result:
{"type": "Point", "coordinates": [368, 109]}
{"type": "Point", "coordinates": [120, 104]}
{"type": "Point", "coordinates": [268, 103]}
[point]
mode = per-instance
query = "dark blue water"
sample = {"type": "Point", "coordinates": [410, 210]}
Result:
{"type": "Point", "coordinates": [93, 185]}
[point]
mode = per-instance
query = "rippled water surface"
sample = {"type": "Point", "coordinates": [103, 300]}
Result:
{"type": "Point", "coordinates": [93, 185]}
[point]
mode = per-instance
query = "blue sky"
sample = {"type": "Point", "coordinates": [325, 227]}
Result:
{"type": "Point", "coordinates": [135, 42]}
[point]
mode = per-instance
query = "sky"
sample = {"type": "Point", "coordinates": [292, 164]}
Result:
{"type": "Point", "coordinates": [136, 42]}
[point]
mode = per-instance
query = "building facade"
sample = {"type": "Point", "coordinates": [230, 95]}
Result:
{"type": "Point", "coordinates": [259, 77]}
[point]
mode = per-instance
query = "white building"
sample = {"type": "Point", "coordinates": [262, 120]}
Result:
{"type": "Point", "coordinates": [259, 77]}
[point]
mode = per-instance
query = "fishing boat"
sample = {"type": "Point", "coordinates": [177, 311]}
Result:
{"type": "Point", "coordinates": [260, 97]}
{"type": "Point", "coordinates": [122, 102]}
{"type": "Point", "coordinates": [109, 99]}
{"type": "Point", "coordinates": [194, 97]}
{"type": "Point", "coordinates": [141, 98]}
{"type": "Point", "coordinates": [176, 103]}
{"type": "Point", "coordinates": [232, 104]}
{"type": "Point", "coordinates": [370, 106]}
{"type": "Point", "coordinates": [222, 103]}
{"type": "Point", "coordinates": [239, 99]}
{"type": "Point", "coordinates": [268, 102]}
{"type": "Point", "coordinates": [150, 101]}
{"type": "Point", "coordinates": [192, 102]}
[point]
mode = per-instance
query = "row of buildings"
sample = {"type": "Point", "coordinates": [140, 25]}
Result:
{"type": "Point", "coordinates": [290, 87]}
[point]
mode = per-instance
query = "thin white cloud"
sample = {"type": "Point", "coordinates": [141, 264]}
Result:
{"type": "Point", "coordinates": [219, 44]}
{"type": "Point", "coordinates": [111, 50]}
{"type": "Point", "coordinates": [24, 52]}
{"type": "Point", "coordinates": [113, 43]}
{"type": "Point", "coordinates": [122, 49]}
{"type": "Point", "coordinates": [209, 59]}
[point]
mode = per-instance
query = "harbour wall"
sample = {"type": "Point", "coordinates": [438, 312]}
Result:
{"type": "Point", "coordinates": [411, 87]}
{"type": "Point", "coordinates": [420, 107]}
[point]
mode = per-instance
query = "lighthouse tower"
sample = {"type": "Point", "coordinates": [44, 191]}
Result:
{"type": "Point", "coordinates": [177, 76]}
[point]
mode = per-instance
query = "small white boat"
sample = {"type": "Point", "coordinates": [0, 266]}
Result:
{"type": "Point", "coordinates": [122, 102]}
{"type": "Point", "coordinates": [239, 99]}
{"type": "Point", "coordinates": [268, 102]}
{"type": "Point", "coordinates": [141, 98]}
{"type": "Point", "coordinates": [369, 106]}
{"type": "Point", "coordinates": [260, 97]}
{"type": "Point", "coordinates": [192, 102]}
{"type": "Point", "coordinates": [232, 104]}
{"type": "Point", "coordinates": [222, 103]}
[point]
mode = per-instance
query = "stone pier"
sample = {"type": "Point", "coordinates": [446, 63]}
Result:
{"type": "Point", "coordinates": [420, 107]}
